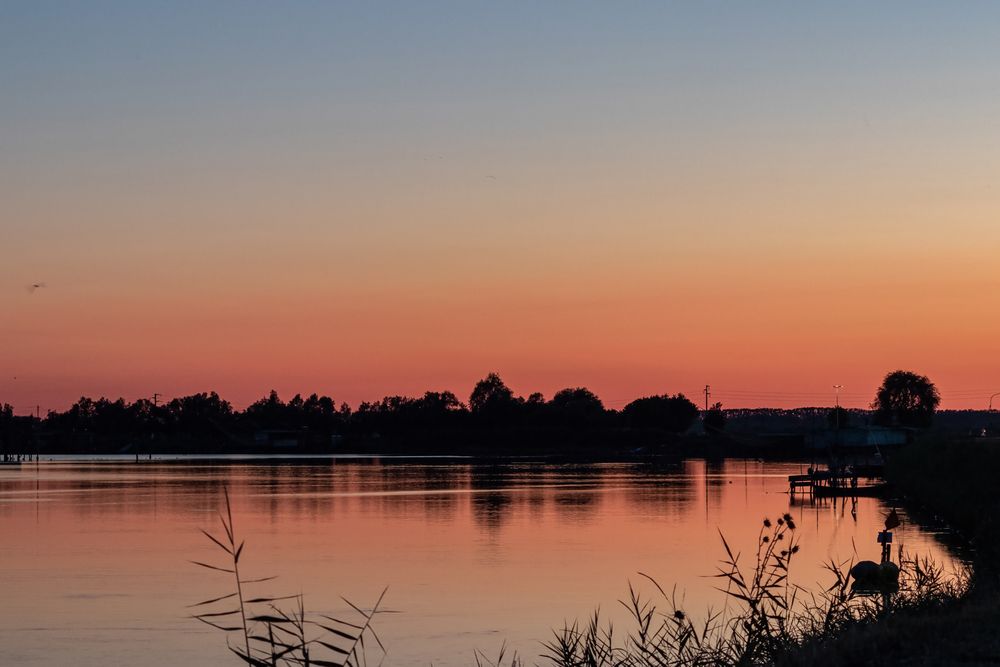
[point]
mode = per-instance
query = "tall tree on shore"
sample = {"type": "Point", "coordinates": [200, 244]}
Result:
{"type": "Point", "coordinates": [576, 404]}
{"type": "Point", "coordinates": [905, 399]}
{"type": "Point", "coordinates": [491, 395]}
{"type": "Point", "coordinates": [671, 413]}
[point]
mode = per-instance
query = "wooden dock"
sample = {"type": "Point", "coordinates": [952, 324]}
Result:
{"type": "Point", "coordinates": [843, 481]}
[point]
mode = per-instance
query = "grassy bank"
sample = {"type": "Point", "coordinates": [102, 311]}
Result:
{"type": "Point", "coordinates": [955, 482]}
{"type": "Point", "coordinates": [768, 621]}
{"type": "Point", "coordinates": [931, 620]}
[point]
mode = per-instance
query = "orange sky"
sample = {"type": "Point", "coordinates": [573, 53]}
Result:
{"type": "Point", "coordinates": [360, 218]}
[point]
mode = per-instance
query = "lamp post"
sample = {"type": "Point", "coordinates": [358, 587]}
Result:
{"type": "Point", "coordinates": [990, 408]}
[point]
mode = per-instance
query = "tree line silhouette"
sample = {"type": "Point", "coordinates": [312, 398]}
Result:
{"type": "Point", "coordinates": [493, 419]}
{"type": "Point", "coordinates": [492, 411]}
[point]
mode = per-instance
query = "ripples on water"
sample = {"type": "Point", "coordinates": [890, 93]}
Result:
{"type": "Point", "coordinates": [94, 555]}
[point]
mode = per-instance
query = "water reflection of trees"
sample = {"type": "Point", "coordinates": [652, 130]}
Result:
{"type": "Point", "coordinates": [468, 500]}
{"type": "Point", "coordinates": [436, 492]}
{"type": "Point", "coordinates": [491, 498]}
{"type": "Point", "coordinates": [577, 506]}
{"type": "Point", "coordinates": [660, 489]}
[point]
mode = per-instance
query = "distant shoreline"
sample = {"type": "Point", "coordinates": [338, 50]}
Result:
{"type": "Point", "coordinates": [595, 445]}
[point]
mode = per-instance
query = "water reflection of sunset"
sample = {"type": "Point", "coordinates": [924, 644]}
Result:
{"type": "Point", "coordinates": [473, 554]}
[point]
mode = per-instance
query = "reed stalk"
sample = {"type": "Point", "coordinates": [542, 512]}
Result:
{"type": "Point", "coordinates": [271, 635]}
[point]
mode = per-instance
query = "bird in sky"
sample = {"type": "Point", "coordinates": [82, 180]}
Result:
{"type": "Point", "coordinates": [33, 286]}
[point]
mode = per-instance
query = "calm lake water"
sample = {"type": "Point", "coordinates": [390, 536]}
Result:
{"type": "Point", "coordinates": [94, 556]}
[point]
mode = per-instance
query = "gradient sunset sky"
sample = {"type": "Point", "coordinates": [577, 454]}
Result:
{"type": "Point", "coordinates": [374, 198]}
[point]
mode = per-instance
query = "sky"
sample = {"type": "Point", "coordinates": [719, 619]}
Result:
{"type": "Point", "coordinates": [362, 199]}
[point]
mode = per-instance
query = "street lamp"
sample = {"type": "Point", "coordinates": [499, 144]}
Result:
{"type": "Point", "coordinates": [990, 408]}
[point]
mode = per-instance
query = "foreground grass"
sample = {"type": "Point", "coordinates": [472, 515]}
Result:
{"type": "Point", "coordinates": [952, 632]}
{"type": "Point", "coordinates": [263, 631]}
{"type": "Point", "coordinates": [768, 621]}
{"type": "Point", "coordinates": [953, 481]}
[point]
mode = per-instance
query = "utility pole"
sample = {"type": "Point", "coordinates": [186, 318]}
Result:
{"type": "Point", "coordinates": [708, 393]}
{"type": "Point", "coordinates": [156, 398]}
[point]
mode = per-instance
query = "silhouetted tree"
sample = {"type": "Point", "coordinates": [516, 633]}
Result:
{"type": "Point", "coordinates": [714, 419]}
{"type": "Point", "coordinates": [905, 399]}
{"type": "Point", "coordinates": [198, 414]}
{"type": "Point", "coordinates": [6, 430]}
{"type": "Point", "coordinates": [670, 413]}
{"type": "Point", "coordinates": [492, 399]}
{"type": "Point", "coordinates": [112, 417]}
{"type": "Point", "coordinates": [536, 398]}
{"type": "Point", "coordinates": [440, 402]}
{"type": "Point", "coordinates": [146, 417]}
{"type": "Point", "coordinates": [392, 413]}
{"type": "Point", "coordinates": [319, 413]}
{"type": "Point", "coordinates": [270, 412]}
{"type": "Point", "coordinates": [15, 432]}
{"type": "Point", "coordinates": [576, 406]}
{"type": "Point", "coordinates": [92, 417]}
{"type": "Point", "coordinates": [400, 414]}
{"type": "Point", "coordinates": [80, 416]}
{"type": "Point", "coordinates": [295, 406]}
